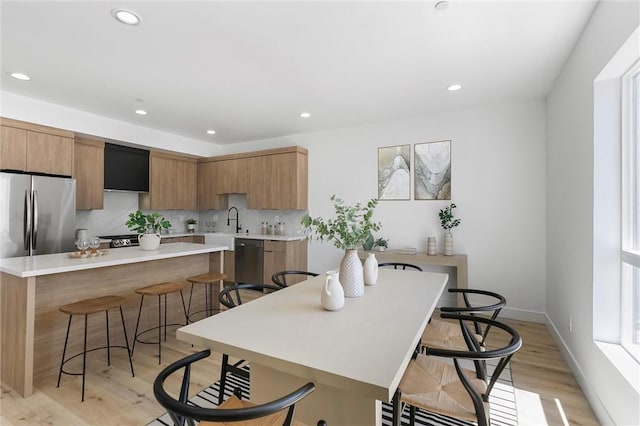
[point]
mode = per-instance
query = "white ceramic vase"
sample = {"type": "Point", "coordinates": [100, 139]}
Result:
{"type": "Point", "coordinates": [332, 296]}
{"type": "Point", "coordinates": [370, 269]}
{"type": "Point", "coordinates": [351, 276]}
{"type": "Point", "coordinates": [431, 246]}
{"type": "Point", "coordinates": [149, 241]}
{"type": "Point", "coordinates": [448, 244]}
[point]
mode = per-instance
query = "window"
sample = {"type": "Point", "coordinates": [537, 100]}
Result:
{"type": "Point", "coordinates": [630, 198]}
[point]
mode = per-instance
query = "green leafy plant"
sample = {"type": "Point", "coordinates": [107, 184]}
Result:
{"type": "Point", "coordinates": [381, 242]}
{"type": "Point", "coordinates": [349, 229]}
{"type": "Point", "coordinates": [143, 223]}
{"type": "Point", "coordinates": [191, 221]}
{"type": "Point", "coordinates": [447, 220]}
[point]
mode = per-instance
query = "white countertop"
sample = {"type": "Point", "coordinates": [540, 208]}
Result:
{"type": "Point", "coordinates": [239, 235]}
{"type": "Point", "coordinates": [47, 264]}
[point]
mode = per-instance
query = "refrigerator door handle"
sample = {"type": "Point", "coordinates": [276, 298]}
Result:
{"type": "Point", "coordinates": [27, 219]}
{"type": "Point", "coordinates": [35, 220]}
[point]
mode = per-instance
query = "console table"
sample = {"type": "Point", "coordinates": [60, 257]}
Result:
{"type": "Point", "coordinates": [458, 261]}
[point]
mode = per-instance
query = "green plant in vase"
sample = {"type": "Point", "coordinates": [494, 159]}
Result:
{"type": "Point", "coordinates": [448, 222]}
{"type": "Point", "coordinates": [147, 223]}
{"type": "Point", "coordinates": [348, 230]}
{"type": "Point", "coordinates": [381, 244]}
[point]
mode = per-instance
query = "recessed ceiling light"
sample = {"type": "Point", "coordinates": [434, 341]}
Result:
{"type": "Point", "coordinates": [305, 115]}
{"type": "Point", "coordinates": [442, 5]}
{"type": "Point", "coordinates": [20, 76]}
{"type": "Point", "coordinates": [454, 87]}
{"type": "Point", "coordinates": [141, 112]}
{"type": "Point", "coordinates": [211, 132]}
{"type": "Point", "coordinates": [125, 16]}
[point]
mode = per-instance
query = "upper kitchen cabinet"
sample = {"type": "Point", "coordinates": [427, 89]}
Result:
{"type": "Point", "coordinates": [232, 176]}
{"type": "Point", "coordinates": [278, 180]}
{"type": "Point", "coordinates": [172, 182]}
{"type": "Point", "coordinates": [208, 198]}
{"type": "Point", "coordinates": [33, 148]}
{"type": "Point", "coordinates": [88, 170]}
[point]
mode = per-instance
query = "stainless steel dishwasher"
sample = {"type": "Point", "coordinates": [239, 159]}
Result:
{"type": "Point", "coordinates": [249, 261]}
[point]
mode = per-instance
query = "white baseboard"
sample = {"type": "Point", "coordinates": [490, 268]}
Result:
{"type": "Point", "coordinates": [522, 315]}
{"type": "Point", "coordinates": [594, 401]}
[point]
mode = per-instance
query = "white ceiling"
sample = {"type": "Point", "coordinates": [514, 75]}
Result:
{"type": "Point", "coordinates": [247, 69]}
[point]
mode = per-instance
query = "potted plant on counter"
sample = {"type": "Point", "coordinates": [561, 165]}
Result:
{"type": "Point", "coordinates": [148, 227]}
{"type": "Point", "coordinates": [347, 231]}
{"type": "Point", "coordinates": [381, 243]}
{"type": "Point", "coordinates": [191, 225]}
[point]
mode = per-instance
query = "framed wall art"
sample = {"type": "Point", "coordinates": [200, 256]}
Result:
{"type": "Point", "coordinates": [432, 171]}
{"type": "Point", "coordinates": [394, 172]}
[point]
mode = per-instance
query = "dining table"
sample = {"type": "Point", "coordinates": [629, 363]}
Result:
{"type": "Point", "coordinates": [355, 356]}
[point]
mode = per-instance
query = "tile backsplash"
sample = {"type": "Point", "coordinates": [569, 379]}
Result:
{"type": "Point", "coordinates": [118, 204]}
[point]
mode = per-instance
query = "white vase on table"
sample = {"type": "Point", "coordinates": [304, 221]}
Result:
{"type": "Point", "coordinates": [351, 276]}
{"type": "Point", "coordinates": [332, 296]}
{"type": "Point", "coordinates": [448, 244]}
{"type": "Point", "coordinates": [370, 269]}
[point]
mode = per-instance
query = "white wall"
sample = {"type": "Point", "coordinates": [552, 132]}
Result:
{"type": "Point", "coordinates": [570, 207]}
{"type": "Point", "coordinates": [498, 183]}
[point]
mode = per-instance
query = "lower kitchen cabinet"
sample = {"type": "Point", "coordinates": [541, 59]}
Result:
{"type": "Point", "coordinates": [283, 256]}
{"type": "Point", "coordinates": [198, 239]}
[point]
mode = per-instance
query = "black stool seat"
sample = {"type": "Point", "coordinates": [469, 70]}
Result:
{"type": "Point", "coordinates": [208, 280]}
{"type": "Point", "coordinates": [87, 307]}
{"type": "Point", "coordinates": [162, 289]}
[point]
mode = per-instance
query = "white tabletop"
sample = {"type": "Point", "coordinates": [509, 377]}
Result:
{"type": "Point", "coordinates": [46, 264]}
{"type": "Point", "coordinates": [363, 348]}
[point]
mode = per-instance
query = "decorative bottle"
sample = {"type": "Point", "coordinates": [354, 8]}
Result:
{"type": "Point", "coordinates": [370, 269]}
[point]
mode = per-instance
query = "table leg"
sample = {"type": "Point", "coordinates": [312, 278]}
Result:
{"type": "Point", "coordinates": [335, 406]}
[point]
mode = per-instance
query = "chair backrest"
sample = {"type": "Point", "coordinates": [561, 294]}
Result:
{"type": "Point", "coordinates": [494, 308]}
{"type": "Point", "coordinates": [502, 353]}
{"type": "Point", "coordinates": [399, 265]}
{"type": "Point", "coordinates": [233, 296]}
{"type": "Point", "coordinates": [280, 278]}
{"type": "Point", "coordinates": [181, 412]}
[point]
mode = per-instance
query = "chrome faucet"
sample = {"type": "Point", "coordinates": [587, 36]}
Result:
{"type": "Point", "coordinates": [229, 219]}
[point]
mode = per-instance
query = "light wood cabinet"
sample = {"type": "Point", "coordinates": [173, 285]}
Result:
{"type": "Point", "coordinates": [279, 181]}
{"type": "Point", "coordinates": [197, 239]}
{"type": "Point", "coordinates": [232, 176]}
{"type": "Point", "coordinates": [283, 256]}
{"type": "Point", "coordinates": [275, 179]}
{"type": "Point", "coordinates": [33, 148]}
{"type": "Point", "coordinates": [172, 182]}
{"type": "Point", "coordinates": [88, 170]}
{"type": "Point", "coordinates": [208, 198]}
{"type": "Point", "coordinates": [13, 149]}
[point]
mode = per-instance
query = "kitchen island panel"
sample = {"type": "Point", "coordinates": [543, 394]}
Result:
{"type": "Point", "coordinates": [17, 297]}
{"type": "Point", "coordinates": [33, 330]}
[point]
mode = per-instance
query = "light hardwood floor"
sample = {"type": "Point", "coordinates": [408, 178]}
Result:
{"type": "Point", "coordinates": [546, 392]}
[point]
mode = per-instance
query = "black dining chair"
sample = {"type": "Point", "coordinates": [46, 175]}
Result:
{"type": "Point", "coordinates": [448, 335]}
{"type": "Point", "coordinates": [231, 297]}
{"type": "Point", "coordinates": [279, 411]}
{"type": "Point", "coordinates": [280, 278]}
{"type": "Point", "coordinates": [433, 383]}
{"type": "Point", "coordinates": [399, 265]}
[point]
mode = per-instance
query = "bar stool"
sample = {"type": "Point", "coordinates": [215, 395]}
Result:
{"type": "Point", "coordinates": [158, 290]}
{"type": "Point", "coordinates": [86, 307]}
{"type": "Point", "coordinates": [208, 280]}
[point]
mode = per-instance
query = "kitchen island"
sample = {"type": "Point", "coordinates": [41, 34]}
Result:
{"type": "Point", "coordinates": [32, 288]}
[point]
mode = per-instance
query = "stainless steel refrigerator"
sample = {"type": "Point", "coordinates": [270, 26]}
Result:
{"type": "Point", "coordinates": [38, 214]}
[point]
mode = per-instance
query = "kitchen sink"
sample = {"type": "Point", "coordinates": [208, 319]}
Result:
{"type": "Point", "coordinates": [221, 239]}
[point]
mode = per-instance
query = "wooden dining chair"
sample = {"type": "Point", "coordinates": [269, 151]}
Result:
{"type": "Point", "coordinates": [399, 265]}
{"type": "Point", "coordinates": [231, 297]}
{"type": "Point", "coordinates": [280, 278]}
{"type": "Point", "coordinates": [434, 384]}
{"type": "Point", "coordinates": [277, 412]}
